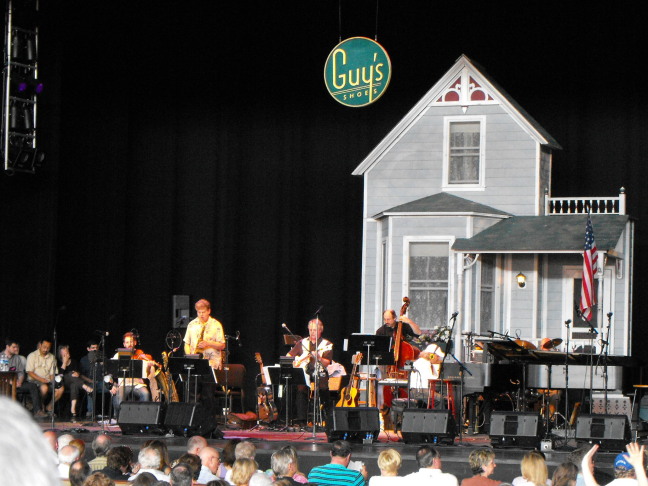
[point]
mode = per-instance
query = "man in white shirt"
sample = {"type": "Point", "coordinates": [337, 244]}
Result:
{"type": "Point", "coordinates": [210, 464]}
{"type": "Point", "coordinates": [429, 472]}
{"type": "Point", "coordinates": [426, 368]}
{"type": "Point", "coordinates": [149, 460]}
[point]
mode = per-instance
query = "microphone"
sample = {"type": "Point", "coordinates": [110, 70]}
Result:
{"type": "Point", "coordinates": [567, 322]}
{"type": "Point", "coordinates": [454, 314]}
{"type": "Point", "coordinates": [319, 309]}
{"type": "Point", "coordinates": [238, 338]}
{"type": "Point", "coordinates": [103, 333]}
{"type": "Point", "coordinates": [284, 326]}
{"type": "Point", "coordinates": [609, 314]}
{"type": "Point", "coordinates": [593, 330]}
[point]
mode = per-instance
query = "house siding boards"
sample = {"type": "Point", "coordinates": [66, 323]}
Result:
{"type": "Point", "coordinates": [414, 164]}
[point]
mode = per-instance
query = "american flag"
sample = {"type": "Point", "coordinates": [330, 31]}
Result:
{"type": "Point", "coordinates": [590, 265]}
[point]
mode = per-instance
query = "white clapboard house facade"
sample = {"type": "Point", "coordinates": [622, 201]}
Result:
{"type": "Point", "coordinates": [457, 204]}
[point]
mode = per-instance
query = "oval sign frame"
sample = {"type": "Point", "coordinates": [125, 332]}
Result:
{"type": "Point", "coordinates": [357, 72]}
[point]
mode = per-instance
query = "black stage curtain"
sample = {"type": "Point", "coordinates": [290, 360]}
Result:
{"type": "Point", "coordinates": [192, 149]}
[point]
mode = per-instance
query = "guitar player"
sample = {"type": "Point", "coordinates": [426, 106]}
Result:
{"type": "Point", "coordinates": [304, 353]}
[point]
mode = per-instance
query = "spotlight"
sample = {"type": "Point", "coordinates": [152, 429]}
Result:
{"type": "Point", "coordinates": [27, 159]}
{"type": "Point", "coordinates": [521, 280]}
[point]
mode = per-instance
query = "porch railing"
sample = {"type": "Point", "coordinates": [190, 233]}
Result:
{"type": "Point", "coordinates": [580, 205]}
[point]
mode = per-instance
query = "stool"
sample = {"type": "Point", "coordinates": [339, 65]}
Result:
{"type": "Point", "coordinates": [449, 394]}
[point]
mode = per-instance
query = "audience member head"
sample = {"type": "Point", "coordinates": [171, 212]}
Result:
{"type": "Point", "coordinates": [219, 482]}
{"type": "Point", "coordinates": [79, 472]}
{"type": "Point", "coordinates": [534, 468]}
{"type": "Point", "coordinates": [242, 471]}
{"type": "Point", "coordinates": [31, 463]}
{"type": "Point", "coordinates": [210, 458]}
{"type": "Point", "coordinates": [79, 444]}
{"type": "Point", "coordinates": [149, 458]}
{"type": "Point", "coordinates": [428, 457]}
{"type": "Point", "coordinates": [119, 458]}
{"type": "Point", "coordinates": [101, 444]}
{"type": "Point", "coordinates": [282, 482]}
{"type": "Point", "coordinates": [195, 444]}
{"type": "Point", "coordinates": [228, 456]}
{"type": "Point", "coordinates": [51, 439]}
{"type": "Point", "coordinates": [98, 479]}
{"type": "Point", "coordinates": [163, 449]}
{"type": "Point", "coordinates": [144, 479]}
{"type": "Point", "coordinates": [64, 440]}
{"type": "Point", "coordinates": [482, 461]}
{"type": "Point", "coordinates": [389, 462]}
{"type": "Point", "coordinates": [193, 461]}
{"type": "Point", "coordinates": [245, 450]}
{"type": "Point", "coordinates": [341, 453]}
{"type": "Point", "coordinates": [565, 475]}
{"type": "Point", "coordinates": [282, 463]}
{"type": "Point", "coordinates": [623, 468]}
{"type": "Point", "coordinates": [68, 454]}
{"type": "Point", "coordinates": [181, 475]}
{"type": "Point", "coordinates": [260, 479]}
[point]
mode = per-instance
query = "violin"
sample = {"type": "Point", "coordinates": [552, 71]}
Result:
{"type": "Point", "coordinates": [139, 354]}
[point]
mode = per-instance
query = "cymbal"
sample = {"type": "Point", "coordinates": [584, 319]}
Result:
{"type": "Point", "coordinates": [525, 344]}
{"type": "Point", "coordinates": [552, 343]}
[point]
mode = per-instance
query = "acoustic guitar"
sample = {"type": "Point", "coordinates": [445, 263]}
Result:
{"type": "Point", "coordinates": [265, 397]}
{"type": "Point", "coordinates": [349, 395]}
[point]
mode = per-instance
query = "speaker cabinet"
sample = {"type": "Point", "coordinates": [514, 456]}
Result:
{"type": "Point", "coordinates": [519, 429]}
{"type": "Point", "coordinates": [141, 418]}
{"type": "Point", "coordinates": [354, 424]}
{"type": "Point", "coordinates": [610, 432]}
{"type": "Point", "coordinates": [397, 408]}
{"type": "Point", "coordinates": [421, 425]}
{"type": "Point", "coordinates": [189, 419]}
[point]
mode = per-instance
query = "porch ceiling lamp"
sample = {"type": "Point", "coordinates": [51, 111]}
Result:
{"type": "Point", "coordinates": [521, 280]}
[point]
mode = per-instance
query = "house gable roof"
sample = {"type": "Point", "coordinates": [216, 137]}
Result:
{"type": "Point", "coordinates": [464, 84]}
{"type": "Point", "coordinates": [442, 203]}
{"type": "Point", "coordinates": [545, 234]}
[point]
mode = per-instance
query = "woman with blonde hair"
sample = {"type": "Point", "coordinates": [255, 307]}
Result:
{"type": "Point", "coordinates": [389, 462]}
{"type": "Point", "coordinates": [482, 464]}
{"type": "Point", "coordinates": [534, 471]}
{"type": "Point", "coordinates": [243, 470]}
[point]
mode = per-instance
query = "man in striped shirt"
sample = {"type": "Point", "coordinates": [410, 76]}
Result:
{"type": "Point", "coordinates": [337, 472]}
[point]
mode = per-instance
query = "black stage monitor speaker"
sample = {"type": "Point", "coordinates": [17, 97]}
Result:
{"type": "Point", "coordinates": [141, 418]}
{"type": "Point", "coordinates": [188, 419]}
{"type": "Point", "coordinates": [355, 424]}
{"type": "Point", "coordinates": [421, 425]}
{"type": "Point", "coordinates": [518, 429]}
{"type": "Point", "coordinates": [610, 432]}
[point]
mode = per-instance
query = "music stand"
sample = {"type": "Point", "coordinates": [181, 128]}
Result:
{"type": "Point", "coordinates": [291, 376]}
{"type": "Point", "coordinates": [190, 366]}
{"type": "Point", "coordinates": [380, 346]}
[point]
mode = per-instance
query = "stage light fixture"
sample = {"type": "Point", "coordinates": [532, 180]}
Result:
{"type": "Point", "coordinates": [108, 382]}
{"type": "Point", "coordinates": [23, 46]}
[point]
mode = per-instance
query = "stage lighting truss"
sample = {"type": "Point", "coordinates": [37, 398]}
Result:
{"type": "Point", "coordinates": [21, 88]}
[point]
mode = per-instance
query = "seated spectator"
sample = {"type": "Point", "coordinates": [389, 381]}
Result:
{"type": "Point", "coordinates": [389, 463]}
{"type": "Point", "coordinates": [145, 479]}
{"type": "Point", "coordinates": [283, 466]}
{"type": "Point", "coordinates": [181, 475]}
{"type": "Point", "coordinates": [565, 475]}
{"type": "Point", "coordinates": [191, 460]}
{"type": "Point", "coordinates": [163, 449]}
{"type": "Point", "coordinates": [242, 470]}
{"type": "Point", "coordinates": [228, 457]}
{"type": "Point", "coordinates": [150, 460]}
{"type": "Point", "coordinates": [634, 460]}
{"type": "Point", "coordinates": [66, 455]}
{"type": "Point", "coordinates": [79, 444]}
{"type": "Point", "coordinates": [210, 460]}
{"type": "Point", "coordinates": [195, 444]}
{"type": "Point", "coordinates": [118, 463]}
{"type": "Point", "coordinates": [482, 465]}
{"type": "Point", "coordinates": [429, 462]}
{"type": "Point", "coordinates": [337, 473]}
{"type": "Point", "coordinates": [100, 446]}
{"type": "Point", "coordinates": [299, 476]}
{"type": "Point", "coordinates": [31, 463]}
{"type": "Point", "coordinates": [79, 472]}
{"type": "Point", "coordinates": [98, 479]}
{"type": "Point", "coordinates": [534, 471]}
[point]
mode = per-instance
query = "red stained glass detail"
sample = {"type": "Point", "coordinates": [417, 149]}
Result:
{"type": "Point", "coordinates": [477, 96]}
{"type": "Point", "coordinates": [451, 96]}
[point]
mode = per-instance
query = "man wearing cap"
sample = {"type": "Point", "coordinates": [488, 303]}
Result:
{"type": "Point", "coordinates": [624, 472]}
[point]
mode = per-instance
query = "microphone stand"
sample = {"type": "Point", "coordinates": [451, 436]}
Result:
{"type": "Point", "coordinates": [605, 347]}
{"type": "Point", "coordinates": [287, 394]}
{"type": "Point", "coordinates": [567, 417]}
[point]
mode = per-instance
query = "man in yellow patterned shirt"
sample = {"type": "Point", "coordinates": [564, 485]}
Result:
{"type": "Point", "coordinates": [205, 335]}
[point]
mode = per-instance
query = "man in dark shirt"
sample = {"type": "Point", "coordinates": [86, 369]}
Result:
{"type": "Point", "coordinates": [410, 328]}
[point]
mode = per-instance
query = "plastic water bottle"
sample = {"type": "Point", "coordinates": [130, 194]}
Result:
{"type": "Point", "coordinates": [4, 362]}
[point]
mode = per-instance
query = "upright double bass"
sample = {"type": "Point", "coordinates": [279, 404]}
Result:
{"type": "Point", "coordinates": [403, 351]}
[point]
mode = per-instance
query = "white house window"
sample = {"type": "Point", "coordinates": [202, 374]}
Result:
{"type": "Point", "coordinates": [428, 283]}
{"type": "Point", "coordinates": [487, 291]}
{"type": "Point", "coordinates": [464, 154]}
